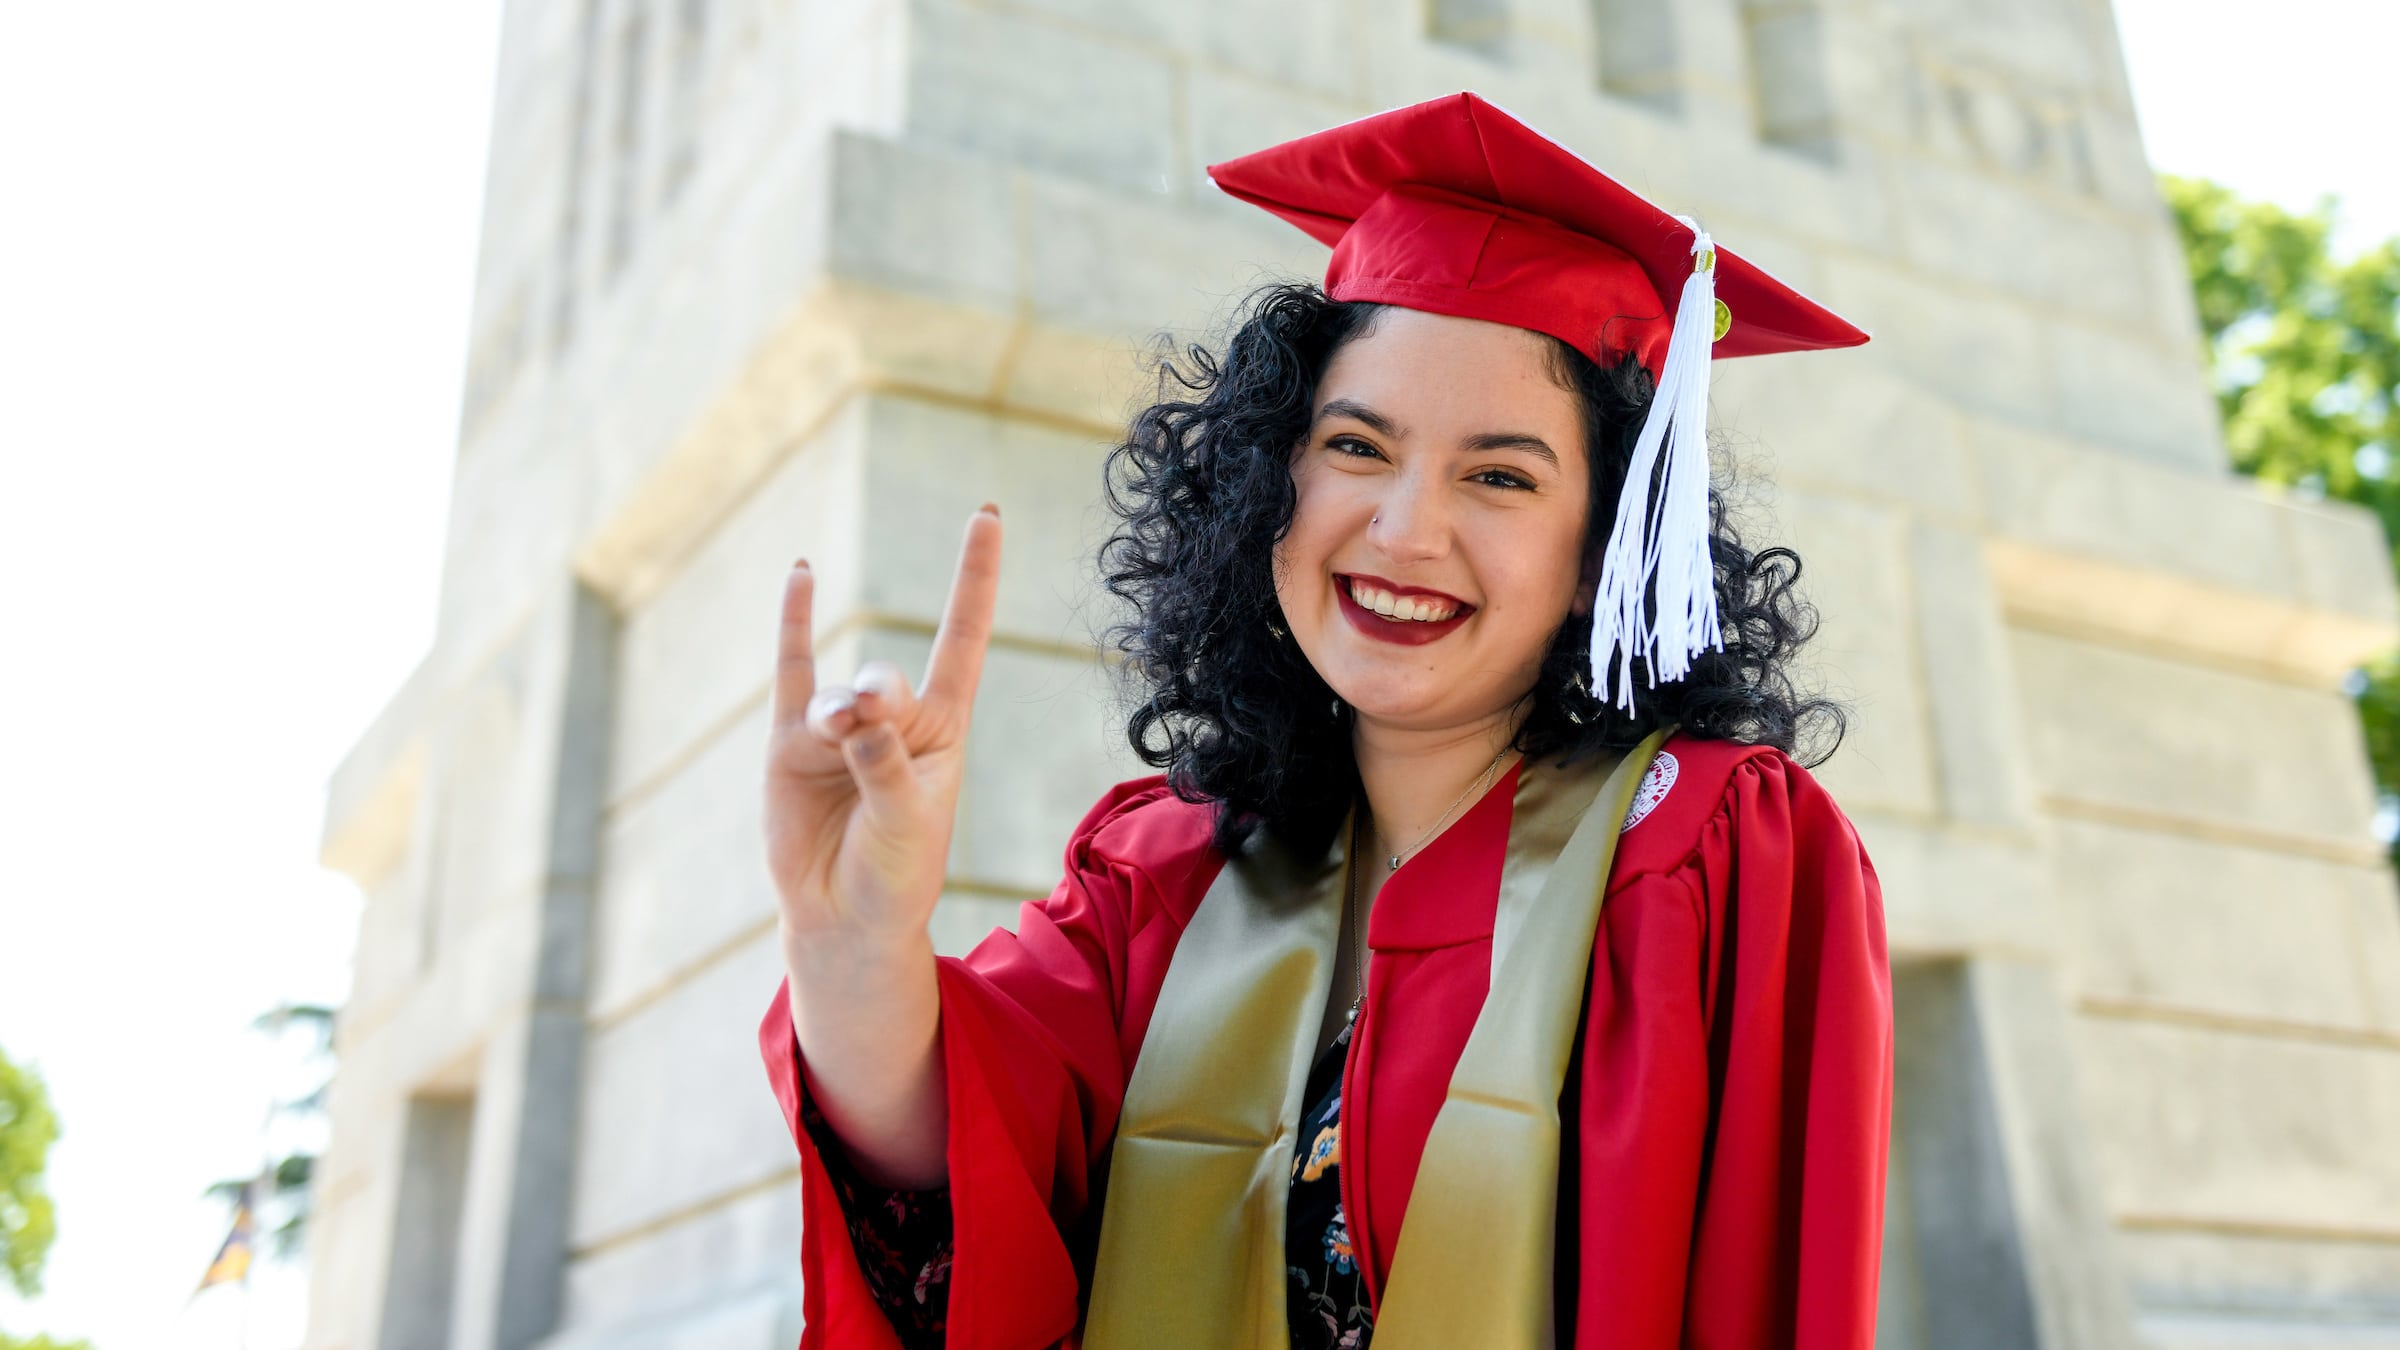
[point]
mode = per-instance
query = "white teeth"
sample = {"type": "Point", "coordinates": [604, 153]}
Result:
{"type": "Point", "coordinates": [1414, 609]}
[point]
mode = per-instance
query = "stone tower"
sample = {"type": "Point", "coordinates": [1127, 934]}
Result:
{"type": "Point", "coordinates": [770, 277]}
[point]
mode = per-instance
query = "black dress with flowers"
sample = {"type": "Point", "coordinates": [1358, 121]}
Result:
{"type": "Point", "coordinates": [903, 1236]}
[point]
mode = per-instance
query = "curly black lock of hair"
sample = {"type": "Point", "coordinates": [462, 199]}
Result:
{"type": "Point", "coordinates": [1230, 707]}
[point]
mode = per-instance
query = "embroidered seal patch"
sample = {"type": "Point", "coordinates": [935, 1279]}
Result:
{"type": "Point", "coordinates": [1652, 791]}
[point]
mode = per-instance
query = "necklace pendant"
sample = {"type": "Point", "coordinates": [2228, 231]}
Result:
{"type": "Point", "coordinates": [1395, 862]}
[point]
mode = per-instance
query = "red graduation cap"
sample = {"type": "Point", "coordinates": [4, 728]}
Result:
{"type": "Point", "coordinates": [1456, 207]}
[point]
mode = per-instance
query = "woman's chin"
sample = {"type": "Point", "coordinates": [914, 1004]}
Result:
{"type": "Point", "coordinates": [1404, 707]}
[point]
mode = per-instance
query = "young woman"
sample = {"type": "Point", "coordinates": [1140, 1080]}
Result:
{"type": "Point", "coordinates": [1482, 969]}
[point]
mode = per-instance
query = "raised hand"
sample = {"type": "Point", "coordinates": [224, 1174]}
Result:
{"type": "Point", "coordinates": [863, 779]}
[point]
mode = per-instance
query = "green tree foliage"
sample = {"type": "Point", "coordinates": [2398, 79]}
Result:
{"type": "Point", "coordinates": [2305, 357]}
{"type": "Point", "coordinates": [28, 1221]}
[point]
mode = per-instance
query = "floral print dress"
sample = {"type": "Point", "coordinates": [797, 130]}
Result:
{"type": "Point", "coordinates": [903, 1236]}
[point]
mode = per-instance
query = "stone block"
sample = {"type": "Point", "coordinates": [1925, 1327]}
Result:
{"type": "Point", "coordinates": [929, 466]}
{"type": "Point", "coordinates": [2120, 166]}
{"type": "Point", "coordinates": [2341, 560]}
{"type": "Point", "coordinates": [2044, 1127]}
{"type": "Point", "coordinates": [794, 384]}
{"type": "Point", "coordinates": [1310, 49]}
{"type": "Point", "coordinates": [756, 1318]}
{"type": "Point", "coordinates": [705, 643]}
{"type": "Point", "coordinates": [390, 953]}
{"type": "Point", "coordinates": [708, 1258]}
{"type": "Point", "coordinates": [1101, 262]}
{"type": "Point", "coordinates": [2143, 397]}
{"type": "Point", "coordinates": [2183, 924]}
{"type": "Point", "coordinates": [2214, 1288]}
{"type": "Point", "coordinates": [1971, 691]}
{"type": "Point", "coordinates": [2222, 1129]}
{"type": "Point", "coordinates": [510, 529]}
{"type": "Point", "coordinates": [2058, 495]}
{"type": "Point", "coordinates": [2147, 736]}
{"type": "Point", "coordinates": [1854, 559]}
{"type": "Point", "coordinates": [1841, 421]}
{"type": "Point", "coordinates": [1399, 65]}
{"type": "Point", "coordinates": [2043, 43]}
{"type": "Point", "coordinates": [687, 326]}
{"type": "Point", "coordinates": [2061, 255]}
{"type": "Point", "coordinates": [1078, 378]}
{"type": "Point", "coordinates": [676, 1108]}
{"type": "Point", "coordinates": [2170, 277]}
{"type": "Point", "coordinates": [1950, 892]}
{"type": "Point", "coordinates": [926, 346]}
{"type": "Point", "coordinates": [2378, 953]}
{"type": "Point", "coordinates": [2174, 615]}
{"type": "Point", "coordinates": [1794, 97]}
{"type": "Point", "coordinates": [687, 871]}
{"type": "Point", "coordinates": [1985, 352]}
{"type": "Point", "coordinates": [936, 225]}
{"type": "Point", "coordinates": [373, 796]}
{"type": "Point", "coordinates": [1040, 96]}
{"type": "Point", "coordinates": [430, 1039]}
{"type": "Point", "coordinates": [347, 1253]}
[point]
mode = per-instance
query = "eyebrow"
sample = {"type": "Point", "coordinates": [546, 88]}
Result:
{"type": "Point", "coordinates": [1486, 440]}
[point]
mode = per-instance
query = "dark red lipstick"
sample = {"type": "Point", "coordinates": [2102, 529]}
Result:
{"type": "Point", "coordinates": [1403, 632]}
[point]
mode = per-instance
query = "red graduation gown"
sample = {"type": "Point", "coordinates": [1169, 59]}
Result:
{"type": "Point", "coordinates": [1730, 1092]}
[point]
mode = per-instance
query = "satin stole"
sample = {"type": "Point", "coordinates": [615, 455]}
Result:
{"type": "Point", "coordinates": [1191, 1249]}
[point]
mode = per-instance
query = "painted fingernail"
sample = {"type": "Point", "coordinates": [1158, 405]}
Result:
{"type": "Point", "coordinates": [994, 508]}
{"type": "Point", "coordinates": [872, 746]}
{"type": "Point", "coordinates": [801, 565]}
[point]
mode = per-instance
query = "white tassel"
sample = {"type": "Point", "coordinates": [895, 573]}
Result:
{"type": "Point", "coordinates": [1667, 539]}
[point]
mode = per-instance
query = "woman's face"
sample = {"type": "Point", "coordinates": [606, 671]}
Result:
{"type": "Point", "coordinates": [1444, 463]}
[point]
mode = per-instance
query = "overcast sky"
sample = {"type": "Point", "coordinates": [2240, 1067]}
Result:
{"type": "Point", "coordinates": [234, 273]}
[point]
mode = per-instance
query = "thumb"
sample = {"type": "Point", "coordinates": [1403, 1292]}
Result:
{"type": "Point", "coordinates": [887, 782]}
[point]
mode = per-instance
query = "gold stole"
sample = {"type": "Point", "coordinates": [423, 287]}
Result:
{"type": "Point", "coordinates": [1191, 1247]}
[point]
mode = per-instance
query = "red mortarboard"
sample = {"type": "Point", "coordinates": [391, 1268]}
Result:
{"type": "Point", "coordinates": [1456, 207]}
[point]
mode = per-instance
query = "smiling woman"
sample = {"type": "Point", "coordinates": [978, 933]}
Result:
{"type": "Point", "coordinates": [1409, 450]}
{"type": "Point", "coordinates": [1438, 991]}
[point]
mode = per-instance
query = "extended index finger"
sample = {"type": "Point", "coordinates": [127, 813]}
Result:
{"type": "Point", "coordinates": [795, 658]}
{"type": "Point", "coordinates": [957, 664]}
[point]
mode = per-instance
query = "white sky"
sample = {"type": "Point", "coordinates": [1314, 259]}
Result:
{"type": "Point", "coordinates": [234, 271]}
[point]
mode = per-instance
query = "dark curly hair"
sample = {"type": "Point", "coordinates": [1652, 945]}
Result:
{"type": "Point", "coordinates": [1202, 490]}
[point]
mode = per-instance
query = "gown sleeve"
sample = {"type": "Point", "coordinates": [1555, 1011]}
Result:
{"type": "Point", "coordinates": [1746, 1003]}
{"type": "Point", "coordinates": [901, 1235]}
{"type": "Point", "coordinates": [1036, 1037]}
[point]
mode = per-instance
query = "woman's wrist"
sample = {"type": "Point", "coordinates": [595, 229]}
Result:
{"type": "Point", "coordinates": [865, 1017]}
{"type": "Point", "coordinates": [858, 964]}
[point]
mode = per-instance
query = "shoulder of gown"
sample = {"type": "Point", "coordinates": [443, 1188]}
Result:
{"type": "Point", "coordinates": [1742, 995]}
{"type": "Point", "coordinates": [1152, 845]}
{"type": "Point", "coordinates": [1702, 799]}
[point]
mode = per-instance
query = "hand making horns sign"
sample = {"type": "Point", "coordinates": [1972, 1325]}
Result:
{"type": "Point", "coordinates": [862, 780]}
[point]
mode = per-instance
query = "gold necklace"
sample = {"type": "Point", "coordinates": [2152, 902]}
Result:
{"type": "Point", "coordinates": [1480, 781]}
{"type": "Point", "coordinates": [1358, 945]}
